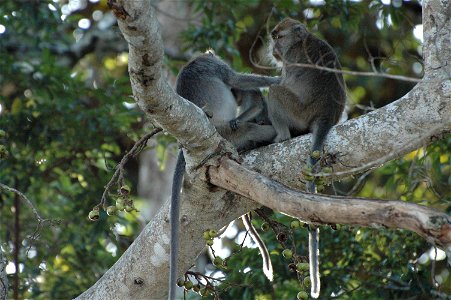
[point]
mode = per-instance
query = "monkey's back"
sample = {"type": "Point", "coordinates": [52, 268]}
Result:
{"type": "Point", "coordinates": [322, 93]}
{"type": "Point", "coordinates": [201, 82]}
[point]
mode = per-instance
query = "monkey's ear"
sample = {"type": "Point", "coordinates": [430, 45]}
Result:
{"type": "Point", "coordinates": [300, 29]}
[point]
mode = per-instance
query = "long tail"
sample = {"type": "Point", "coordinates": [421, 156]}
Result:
{"type": "Point", "coordinates": [313, 239]}
{"type": "Point", "coordinates": [319, 135]}
{"type": "Point", "coordinates": [267, 265]}
{"type": "Point", "coordinates": [174, 218]}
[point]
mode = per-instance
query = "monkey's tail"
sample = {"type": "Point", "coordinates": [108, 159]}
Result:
{"type": "Point", "coordinates": [174, 218]}
{"type": "Point", "coordinates": [314, 261]}
{"type": "Point", "coordinates": [313, 242]}
{"type": "Point", "coordinates": [267, 265]}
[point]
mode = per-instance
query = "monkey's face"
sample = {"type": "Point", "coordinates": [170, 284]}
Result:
{"type": "Point", "coordinates": [286, 34]}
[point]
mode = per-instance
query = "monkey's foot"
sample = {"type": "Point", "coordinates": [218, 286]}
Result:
{"type": "Point", "coordinates": [234, 124]}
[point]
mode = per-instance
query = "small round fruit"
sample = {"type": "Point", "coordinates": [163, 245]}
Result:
{"type": "Point", "coordinates": [196, 288]}
{"type": "Point", "coordinates": [302, 295]}
{"type": "Point", "coordinates": [327, 170]}
{"type": "Point", "coordinates": [306, 170]}
{"type": "Point", "coordinates": [265, 227]}
{"type": "Point", "coordinates": [111, 210]}
{"type": "Point", "coordinates": [287, 253]}
{"type": "Point", "coordinates": [316, 154]}
{"type": "Point", "coordinates": [188, 285]}
{"type": "Point", "coordinates": [209, 243]}
{"type": "Point", "coordinates": [320, 181]}
{"type": "Point", "coordinates": [302, 266]}
{"type": "Point", "coordinates": [94, 215]}
{"type": "Point", "coordinates": [282, 237]}
{"type": "Point", "coordinates": [213, 233]}
{"type": "Point", "coordinates": [295, 224]}
{"type": "Point", "coordinates": [204, 292]}
{"type": "Point", "coordinates": [206, 235]}
{"type": "Point", "coordinates": [307, 282]}
{"type": "Point", "coordinates": [3, 152]}
{"type": "Point", "coordinates": [125, 190]}
{"type": "Point", "coordinates": [320, 188]}
{"type": "Point", "coordinates": [129, 208]}
{"type": "Point", "coordinates": [120, 204]}
{"type": "Point", "coordinates": [309, 177]}
{"type": "Point", "coordinates": [217, 261]}
{"type": "Point", "coordinates": [180, 282]}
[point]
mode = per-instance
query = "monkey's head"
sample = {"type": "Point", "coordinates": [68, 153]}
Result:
{"type": "Point", "coordinates": [286, 34]}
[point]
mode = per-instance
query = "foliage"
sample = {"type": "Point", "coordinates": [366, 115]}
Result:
{"type": "Point", "coordinates": [69, 118]}
{"type": "Point", "coordinates": [65, 131]}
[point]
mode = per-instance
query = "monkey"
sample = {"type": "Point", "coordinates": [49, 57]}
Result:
{"type": "Point", "coordinates": [207, 82]}
{"type": "Point", "coordinates": [306, 100]}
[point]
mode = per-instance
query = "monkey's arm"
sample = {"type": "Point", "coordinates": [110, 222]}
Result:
{"type": "Point", "coordinates": [249, 81]}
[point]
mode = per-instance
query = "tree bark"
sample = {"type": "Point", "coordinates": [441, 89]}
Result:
{"type": "Point", "coordinates": [315, 208]}
{"type": "Point", "coordinates": [414, 120]}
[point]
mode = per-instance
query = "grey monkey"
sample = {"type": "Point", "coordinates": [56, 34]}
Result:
{"type": "Point", "coordinates": [306, 100]}
{"type": "Point", "coordinates": [207, 81]}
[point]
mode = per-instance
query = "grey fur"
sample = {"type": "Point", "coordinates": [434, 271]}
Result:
{"type": "Point", "coordinates": [306, 100]}
{"type": "Point", "coordinates": [253, 108]}
{"type": "Point", "coordinates": [207, 81]}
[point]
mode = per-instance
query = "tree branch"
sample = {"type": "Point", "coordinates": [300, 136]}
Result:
{"type": "Point", "coordinates": [434, 226]}
{"type": "Point", "coordinates": [182, 119]}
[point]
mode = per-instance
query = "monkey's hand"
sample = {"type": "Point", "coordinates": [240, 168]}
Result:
{"type": "Point", "coordinates": [234, 124]}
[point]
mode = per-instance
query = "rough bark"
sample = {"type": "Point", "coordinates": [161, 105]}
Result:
{"type": "Point", "coordinates": [432, 225]}
{"type": "Point", "coordinates": [142, 272]}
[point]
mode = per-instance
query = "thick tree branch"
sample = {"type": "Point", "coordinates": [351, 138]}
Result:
{"type": "Point", "coordinates": [181, 118]}
{"type": "Point", "coordinates": [434, 226]}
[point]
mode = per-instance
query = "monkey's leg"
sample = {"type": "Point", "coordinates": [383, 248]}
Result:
{"type": "Point", "coordinates": [277, 112]}
{"type": "Point", "coordinates": [249, 81]}
{"type": "Point", "coordinates": [247, 135]}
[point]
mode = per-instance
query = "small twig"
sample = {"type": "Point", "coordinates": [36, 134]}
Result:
{"type": "Point", "coordinates": [356, 187]}
{"type": "Point", "coordinates": [375, 73]}
{"type": "Point", "coordinates": [23, 198]}
{"type": "Point", "coordinates": [118, 176]}
{"type": "Point", "coordinates": [197, 274]}
{"type": "Point", "coordinates": [357, 73]}
{"type": "Point", "coordinates": [41, 221]}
